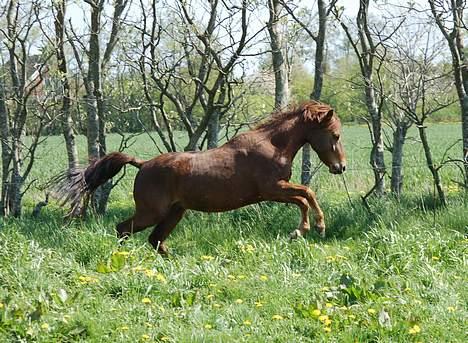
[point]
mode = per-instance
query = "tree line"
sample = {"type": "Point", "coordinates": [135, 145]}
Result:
{"type": "Point", "coordinates": [209, 69]}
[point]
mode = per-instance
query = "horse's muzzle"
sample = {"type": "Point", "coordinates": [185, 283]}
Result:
{"type": "Point", "coordinates": [337, 168]}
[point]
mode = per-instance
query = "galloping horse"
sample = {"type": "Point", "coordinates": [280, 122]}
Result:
{"type": "Point", "coordinates": [254, 166]}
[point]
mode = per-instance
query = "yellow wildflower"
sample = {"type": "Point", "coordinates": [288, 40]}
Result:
{"type": "Point", "coordinates": [263, 277]}
{"type": "Point", "coordinates": [435, 258]}
{"type": "Point", "coordinates": [325, 289]}
{"type": "Point", "coordinates": [239, 301]}
{"type": "Point", "coordinates": [86, 279]}
{"type": "Point", "coordinates": [210, 296]}
{"type": "Point", "coordinates": [231, 277]}
{"type": "Point", "coordinates": [1, 305]}
{"type": "Point", "coordinates": [45, 326]}
{"type": "Point", "coordinates": [208, 326]}
{"type": "Point", "coordinates": [258, 304]}
{"type": "Point", "coordinates": [207, 258]}
{"type": "Point", "coordinates": [327, 329]}
{"type": "Point", "coordinates": [122, 253]}
{"type": "Point", "coordinates": [329, 305]}
{"type": "Point", "coordinates": [277, 317]}
{"type": "Point", "coordinates": [150, 272]}
{"type": "Point", "coordinates": [124, 328]}
{"type": "Point", "coordinates": [316, 312]}
{"type": "Point", "coordinates": [146, 301]}
{"type": "Point", "coordinates": [165, 338]}
{"type": "Point", "coordinates": [217, 305]}
{"type": "Point", "coordinates": [371, 311]}
{"type": "Point", "coordinates": [296, 275]}
{"type": "Point", "coordinates": [160, 277]}
{"type": "Point", "coordinates": [241, 277]}
{"type": "Point", "coordinates": [451, 309]}
{"type": "Point", "coordinates": [327, 322]}
{"type": "Point", "coordinates": [414, 330]}
{"type": "Point", "coordinates": [145, 337]}
{"type": "Point", "coordinates": [247, 322]}
{"type": "Point", "coordinates": [323, 318]}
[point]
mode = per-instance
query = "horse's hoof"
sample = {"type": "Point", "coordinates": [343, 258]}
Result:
{"type": "Point", "coordinates": [295, 234]}
{"type": "Point", "coordinates": [162, 250]}
{"type": "Point", "coordinates": [320, 230]}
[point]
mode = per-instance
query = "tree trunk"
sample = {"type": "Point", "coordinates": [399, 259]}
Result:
{"type": "Point", "coordinates": [306, 168]}
{"type": "Point", "coordinates": [399, 136]}
{"type": "Point", "coordinates": [6, 154]}
{"type": "Point", "coordinates": [280, 66]}
{"type": "Point", "coordinates": [213, 131]}
{"type": "Point", "coordinates": [430, 164]}
{"type": "Point", "coordinates": [67, 121]}
{"type": "Point", "coordinates": [377, 153]}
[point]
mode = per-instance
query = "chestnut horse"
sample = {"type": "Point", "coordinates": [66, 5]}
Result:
{"type": "Point", "coordinates": [254, 166]}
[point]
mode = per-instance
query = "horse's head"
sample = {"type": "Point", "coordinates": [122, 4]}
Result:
{"type": "Point", "coordinates": [324, 136]}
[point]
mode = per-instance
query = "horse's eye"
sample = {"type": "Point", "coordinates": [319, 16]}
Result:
{"type": "Point", "coordinates": [336, 137]}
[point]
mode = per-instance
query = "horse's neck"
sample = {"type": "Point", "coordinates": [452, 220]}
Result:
{"type": "Point", "coordinates": [288, 137]}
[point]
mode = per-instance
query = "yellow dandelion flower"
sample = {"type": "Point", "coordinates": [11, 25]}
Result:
{"type": "Point", "coordinates": [165, 338]}
{"type": "Point", "coordinates": [216, 305]}
{"type": "Point", "coordinates": [248, 248]}
{"type": "Point", "coordinates": [160, 277]}
{"type": "Point", "coordinates": [45, 326]}
{"type": "Point", "coordinates": [325, 289]}
{"type": "Point", "coordinates": [258, 304]}
{"type": "Point", "coordinates": [327, 329]}
{"type": "Point", "coordinates": [145, 337]}
{"type": "Point", "coordinates": [122, 253]}
{"type": "Point", "coordinates": [316, 312]}
{"type": "Point", "coordinates": [352, 316]}
{"type": "Point", "coordinates": [344, 308]}
{"type": "Point", "coordinates": [1, 305]}
{"type": "Point", "coordinates": [263, 277]}
{"type": "Point", "coordinates": [323, 318]}
{"type": "Point", "coordinates": [247, 322]}
{"type": "Point", "coordinates": [146, 301]}
{"type": "Point", "coordinates": [86, 279]}
{"type": "Point", "coordinates": [329, 305]}
{"type": "Point", "coordinates": [277, 317]}
{"type": "Point", "coordinates": [206, 257]}
{"type": "Point", "coordinates": [208, 326]}
{"type": "Point", "coordinates": [210, 296]}
{"type": "Point", "coordinates": [231, 277]}
{"type": "Point", "coordinates": [407, 289]}
{"type": "Point", "coordinates": [371, 311]}
{"type": "Point", "coordinates": [212, 285]}
{"type": "Point", "coordinates": [414, 330]}
{"type": "Point", "coordinates": [138, 269]}
{"type": "Point", "coordinates": [149, 325]}
{"type": "Point", "coordinates": [451, 309]}
{"type": "Point", "coordinates": [241, 277]}
{"type": "Point", "coordinates": [239, 301]}
{"type": "Point", "coordinates": [149, 272]}
{"type": "Point", "coordinates": [435, 258]}
{"type": "Point", "coordinates": [327, 322]}
{"type": "Point", "coordinates": [124, 328]}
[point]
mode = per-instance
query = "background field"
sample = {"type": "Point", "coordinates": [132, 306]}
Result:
{"type": "Point", "coordinates": [396, 275]}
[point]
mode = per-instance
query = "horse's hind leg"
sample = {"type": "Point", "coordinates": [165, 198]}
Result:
{"type": "Point", "coordinates": [165, 227]}
{"type": "Point", "coordinates": [137, 223]}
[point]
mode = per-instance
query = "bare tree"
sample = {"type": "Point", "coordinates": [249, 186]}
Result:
{"type": "Point", "coordinates": [324, 9]}
{"type": "Point", "coordinates": [93, 78]}
{"type": "Point", "coordinates": [422, 90]}
{"type": "Point", "coordinates": [66, 118]}
{"type": "Point", "coordinates": [367, 46]}
{"type": "Point", "coordinates": [17, 156]}
{"type": "Point", "coordinates": [448, 15]}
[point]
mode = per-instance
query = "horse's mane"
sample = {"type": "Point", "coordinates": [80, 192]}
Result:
{"type": "Point", "coordinates": [309, 111]}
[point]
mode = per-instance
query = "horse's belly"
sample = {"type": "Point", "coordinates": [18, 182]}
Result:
{"type": "Point", "coordinates": [223, 196]}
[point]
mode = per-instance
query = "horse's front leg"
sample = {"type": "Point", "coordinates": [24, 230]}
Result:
{"type": "Point", "coordinates": [292, 189]}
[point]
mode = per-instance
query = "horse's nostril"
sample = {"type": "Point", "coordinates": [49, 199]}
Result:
{"type": "Point", "coordinates": [343, 168]}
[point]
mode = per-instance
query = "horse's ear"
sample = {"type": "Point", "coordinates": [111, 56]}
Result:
{"type": "Point", "coordinates": [327, 117]}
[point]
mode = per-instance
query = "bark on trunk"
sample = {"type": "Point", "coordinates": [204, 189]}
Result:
{"type": "Point", "coordinates": [280, 67]}
{"type": "Point", "coordinates": [399, 136]}
{"type": "Point", "coordinates": [6, 154]}
{"type": "Point", "coordinates": [306, 168]}
{"type": "Point", "coordinates": [213, 131]}
{"type": "Point", "coordinates": [67, 121]}
{"type": "Point", "coordinates": [430, 164]}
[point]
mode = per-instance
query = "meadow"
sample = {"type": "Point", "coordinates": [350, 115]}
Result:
{"type": "Point", "coordinates": [396, 274]}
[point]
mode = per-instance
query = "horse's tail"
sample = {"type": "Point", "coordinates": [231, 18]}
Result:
{"type": "Point", "coordinates": [72, 186]}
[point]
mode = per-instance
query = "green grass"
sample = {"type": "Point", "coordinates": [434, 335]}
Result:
{"type": "Point", "coordinates": [235, 276]}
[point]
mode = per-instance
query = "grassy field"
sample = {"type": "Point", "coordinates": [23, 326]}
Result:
{"type": "Point", "coordinates": [398, 275]}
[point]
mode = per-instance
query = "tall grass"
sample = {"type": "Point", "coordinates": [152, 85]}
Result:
{"type": "Point", "coordinates": [397, 274]}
